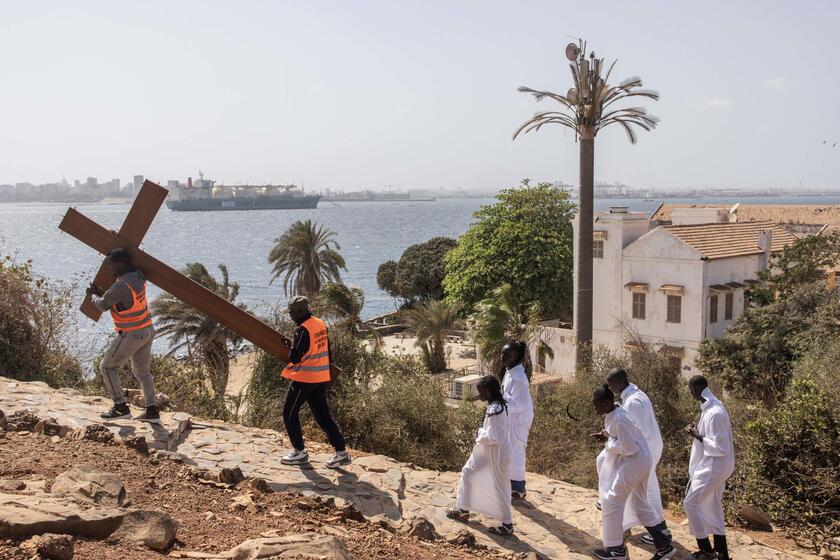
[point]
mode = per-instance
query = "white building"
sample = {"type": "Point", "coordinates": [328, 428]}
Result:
{"type": "Point", "coordinates": [671, 286]}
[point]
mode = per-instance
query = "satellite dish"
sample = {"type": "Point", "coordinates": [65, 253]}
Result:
{"type": "Point", "coordinates": [572, 51]}
{"type": "Point", "coordinates": [571, 95]}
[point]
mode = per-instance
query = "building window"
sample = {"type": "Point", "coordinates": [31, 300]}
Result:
{"type": "Point", "coordinates": [639, 305]}
{"type": "Point", "coordinates": [727, 306]}
{"type": "Point", "coordinates": [674, 309]}
{"type": "Point", "coordinates": [598, 249]}
{"type": "Point", "coordinates": [713, 308]}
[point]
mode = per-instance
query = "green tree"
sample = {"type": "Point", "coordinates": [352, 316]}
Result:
{"type": "Point", "coordinates": [204, 339]}
{"type": "Point", "coordinates": [431, 322]}
{"type": "Point", "coordinates": [501, 318]}
{"type": "Point", "coordinates": [586, 109]}
{"type": "Point", "coordinates": [803, 262]}
{"type": "Point", "coordinates": [755, 358]}
{"type": "Point", "coordinates": [421, 269]}
{"type": "Point", "coordinates": [306, 256]}
{"type": "Point", "coordinates": [386, 278]}
{"type": "Point", "coordinates": [525, 240]}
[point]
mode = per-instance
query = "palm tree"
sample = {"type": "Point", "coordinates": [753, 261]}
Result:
{"type": "Point", "coordinates": [431, 321]}
{"type": "Point", "coordinates": [341, 302]}
{"type": "Point", "coordinates": [586, 109]}
{"type": "Point", "coordinates": [501, 318]}
{"type": "Point", "coordinates": [201, 336]}
{"type": "Point", "coordinates": [306, 256]}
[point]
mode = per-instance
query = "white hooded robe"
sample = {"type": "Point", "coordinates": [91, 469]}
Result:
{"type": "Point", "coordinates": [485, 487]}
{"type": "Point", "coordinates": [712, 462]}
{"type": "Point", "coordinates": [638, 407]}
{"type": "Point", "coordinates": [517, 393]}
{"type": "Point", "coordinates": [623, 470]}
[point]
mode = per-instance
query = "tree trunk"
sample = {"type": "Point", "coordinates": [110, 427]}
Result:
{"type": "Point", "coordinates": [583, 321]}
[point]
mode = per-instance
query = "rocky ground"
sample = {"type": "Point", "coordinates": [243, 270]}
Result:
{"type": "Point", "coordinates": [210, 517]}
{"type": "Point", "coordinates": [191, 474]}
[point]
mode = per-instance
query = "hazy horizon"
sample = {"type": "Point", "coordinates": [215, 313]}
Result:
{"type": "Point", "coordinates": [412, 94]}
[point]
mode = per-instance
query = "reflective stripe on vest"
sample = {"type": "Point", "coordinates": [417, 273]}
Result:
{"type": "Point", "coordinates": [135, 317]}
{"type": "Point", "coordinates": [314, 366]}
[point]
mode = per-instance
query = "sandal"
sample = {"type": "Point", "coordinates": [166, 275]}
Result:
{"type": "Point", "coordinates": [458, 514]}
{"type": "Point", "coordinates": [503, 530]}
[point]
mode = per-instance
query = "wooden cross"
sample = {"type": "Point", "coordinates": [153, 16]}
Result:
{"type": "Point", "coordinates": [137, 222]}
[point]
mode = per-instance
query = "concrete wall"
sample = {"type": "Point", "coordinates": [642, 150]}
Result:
{"type": "Point", "coordinates": [562, 342]}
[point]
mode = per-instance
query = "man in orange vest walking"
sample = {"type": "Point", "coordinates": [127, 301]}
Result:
{"type": "Point", "coordinates": [126, 299]}
{"type": "Point", "coordinates": [309, 371]}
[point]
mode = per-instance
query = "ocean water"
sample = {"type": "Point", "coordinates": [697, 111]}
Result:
{"type": "Point", "coordinates": [369, 233]}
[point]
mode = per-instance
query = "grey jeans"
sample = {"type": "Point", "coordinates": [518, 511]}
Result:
{"type": "Point", "coordinates": [137, 347]}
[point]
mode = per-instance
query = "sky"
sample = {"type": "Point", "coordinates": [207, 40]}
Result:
{"type": "Point", "coordinates": [412, 94]}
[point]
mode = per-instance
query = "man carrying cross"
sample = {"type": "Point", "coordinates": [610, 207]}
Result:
{"type": "Point", "coordinates": [126, 299]}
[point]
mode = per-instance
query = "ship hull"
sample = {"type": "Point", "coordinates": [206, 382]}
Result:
{"type": "Point", "coordinates": [218, 204]}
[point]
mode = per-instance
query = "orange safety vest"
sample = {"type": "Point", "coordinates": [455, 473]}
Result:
{"type": "Point", "coordinates": [314, 366]}
{"type": "Point", "coordinates": [135, 317]}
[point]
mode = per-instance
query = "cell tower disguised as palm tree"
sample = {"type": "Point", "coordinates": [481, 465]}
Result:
{"type": "Point", "coordinates": [587, 108]}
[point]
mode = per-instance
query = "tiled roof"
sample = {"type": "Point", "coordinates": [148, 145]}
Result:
{"type": "Point", "coordinates": [719, 241]}
{"type": "Point", "coordinates": [799, 214]}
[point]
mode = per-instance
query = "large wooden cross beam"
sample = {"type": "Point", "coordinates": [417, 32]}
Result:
{"type": "Point", "coordinates": [137, 222]}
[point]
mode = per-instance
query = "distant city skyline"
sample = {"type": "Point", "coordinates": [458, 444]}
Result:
{"type": "Point", "coordinates": [412, 94]}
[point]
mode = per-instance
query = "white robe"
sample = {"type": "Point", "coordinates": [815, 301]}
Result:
{"type": "Point", "coordinates": [485, 487]}
{"type": "Point", "coordinates": [623, 469]}
{"type": "Point", "coordinates": [517, 393]}
{"type": "Point", "coordinates": [638, 407]}
{"type": "Point", "coordinates": [712, 462]}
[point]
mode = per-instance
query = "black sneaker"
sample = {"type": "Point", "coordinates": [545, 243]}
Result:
{"type": "Point", "coordinates": [515, 495]}
{"type": "Point", "coordinates": [667, 552]}
{"type": "Point", "coordinates": [612, 553]}
{"type": "Point", "coordinates": [648, 539]}
{"type": "Point", "coordinates": [151, 415]}
{"type": "Point", "coordinates": [117, 412]}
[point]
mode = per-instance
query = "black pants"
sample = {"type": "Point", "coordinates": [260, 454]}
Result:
{"type": "Point", "coordinates": [316, 395]}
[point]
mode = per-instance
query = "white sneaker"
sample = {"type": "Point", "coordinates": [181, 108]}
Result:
{"type": "Point", "coordinates": [340, 459]}
{"type": "Point", "coordinates": [296, 457]}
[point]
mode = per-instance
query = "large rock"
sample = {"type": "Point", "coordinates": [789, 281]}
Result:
{"type": "Point", "coordinates": [50, 546]}
{"type": "Point", "coordinates": [755, 517]}
{"type": "Point", "coordinates": [423, 529]}
{"type": "Point", "coordinates": [11, 485]}
{"type": "Point", "coordinates": [22, 421]}
{"type": "Point", "coordinates": [27, 515]}
{"type": "Point", "coordinates": [94, 432]}
{"type": "Point", "coordinates": [152, 529]}
{"type": "Point", "coordinates": [90, 484]}
{"type": "Point", "coordinates": [307, 545]}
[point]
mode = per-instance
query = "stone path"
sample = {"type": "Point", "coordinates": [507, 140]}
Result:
{"type": "Point", "coordinates": [559, 520]}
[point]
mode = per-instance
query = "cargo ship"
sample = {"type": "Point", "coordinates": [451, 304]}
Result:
{"type": "Point", "coordinates": [205, 195]}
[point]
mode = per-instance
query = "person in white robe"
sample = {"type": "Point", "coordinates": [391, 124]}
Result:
{"type": "Point", "coordinates": [711, 464]}
{"type": "Point", "coordinates": [638, 407]}
{"type": "Point", "coordinates": [484, 486]}
{"type": "Point", "coordinates": [622, 480]}
{"type": "Point", "coordinates": [517, 393]}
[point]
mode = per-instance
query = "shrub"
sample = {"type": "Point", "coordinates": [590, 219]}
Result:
{"type": "Point", "coordinates": [38, 332]}
{"type": "Point", "coordinates": [394, 407]}
{"type": "Point", "coordinates": [793, 464]}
